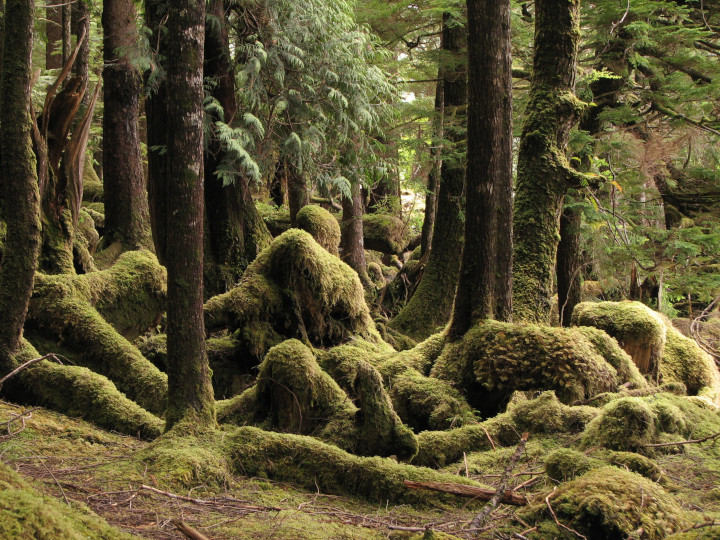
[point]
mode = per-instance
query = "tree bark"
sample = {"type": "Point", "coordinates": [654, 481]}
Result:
{"type": "Point", "coordinates": [190, 393]}
{"type": "Point", "coordinates": [22, 215]}
{"type": "Point", "coordinates": [431, 305]}
{"type": "Point", "coordinates": [53, 31]}
{"type": "Point", "coordinates": [544, 174]}
{"type": "Point", "coordinates": [80, 26]}
{"type": "Point", "coordinates": [568, 263]}
{"type": "Point", "coordinates": [353, 243]}
{"type": "Point", "coordinates": [297, 190]}
{"type": "Point", "coordinates": [66, 31]}
{"type": "Point", "coordinates": [125, 196]}
{"type": "Point", "coordinates": [484, 286]}
{"type": "Point", "coordinates": [433, 186]}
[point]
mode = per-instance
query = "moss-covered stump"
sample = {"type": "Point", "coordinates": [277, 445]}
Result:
{"type": "Point", "coordinates": [87, 312]}
{"type": "Point", "coordinates": [684, 361]}
{"type": "Point", "coordinates": [494, 359]}
{"type": "Point", "coordinates": [608, 502]}
{"type": "Point", "coordinates": [544, 414]}
{"type": "Point", "coordinates": [640, 331]}
{"type": "Point", "coordinates": [296, 289]}
{"type": "Point", "coordinates": [26, 513]}
{"type": "Point", "coordinates": [385, 233]}
{"type": "Point", "coordinates": [77, 391]}
{"type": "Point", "coordinates": [633, 423]}
{"type": "Point", "coordinates": [322, 225]}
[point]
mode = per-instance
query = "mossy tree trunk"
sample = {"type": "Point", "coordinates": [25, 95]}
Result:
{"type": "Point", "coordinates": [484, 289]}
{"type": "Point", "coordinates": [190, 393]}
{"type": "Point", "coordinates": [431, 305]}
{"type": "Point", "coordinates": [236, 233]}
{"type": "Point", "coordinates": [125, 196]}
{"type": "Point", "coordinates": [435, 170]}
{"type": "Point", "coordinates": [297, 190]}
{"type": "Point", "coordinates": [157, 135]}
{"type": "Point", "coordinates": [353, 242]}
{"type": "Point", "coordinates": [53, 32]}
{"type": "Point", "coordinates": [22, 244]}
{"type": "Point", "coordinates": [568, 263]}
{"type": "Point", "coordinates": [544, 174]}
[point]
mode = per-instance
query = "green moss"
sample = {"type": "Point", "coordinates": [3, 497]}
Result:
{"type": "Point", "coordinates": [97, 217]}
{"type": "Point", "coordinates": [397, 340]}
{"type": "Point", "coordinates": [503, 357]}
{"type": "Point", "coordinates": [322, 225]}
{"type": "Point", "coordinates": [26, 513]}
{"type": "Point", "coordinates": [95, 206]}
{"type": "Point", "coordinates": [609, 349]}
{"type": "Point", "coordinates": [639, 330]}
{"type": "Point", "coordinates": [375, 273]}
{"type": "Point", "coordinates": [385, 233]}
{"type": "Point", "coordinates": [92, 185]}
{"type": "Point", "coordinates": [277, 221]}
{"type": "Point", "coordinates": [608, 503]}
{"type": "Point", "coordinates": [565, 464]}
{"type": "Point", "coordinates": [683, 361]}
{"type": "Point", "coordinates": [154, 348]}
{"type": "Point", "coordinates": [633, 462]}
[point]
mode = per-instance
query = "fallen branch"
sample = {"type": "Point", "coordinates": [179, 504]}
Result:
{"type": "Point", "coordinates": [211, 503]}
{"type": "Point", "coordinates": [468, 491]}
{"type": "Point", "coordinates": [188, 531]}
{"type": "Point", "coordinates": [557, 522]}
{"type": "Point", "coordinates": [478, 520]}
{"type": "Point", "coordinates": [659, 445]}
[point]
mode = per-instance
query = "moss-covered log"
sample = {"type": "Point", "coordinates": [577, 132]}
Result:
{"type": "Point", "coordinates": [72, 310]}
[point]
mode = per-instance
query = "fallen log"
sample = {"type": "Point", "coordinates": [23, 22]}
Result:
{"type": "Point", "coordinates": [468, 491]}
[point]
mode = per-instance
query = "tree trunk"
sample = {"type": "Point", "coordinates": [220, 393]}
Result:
{"type": "Point", "coordinates": [297, 190]}
{"type": "Point", "coordinates": [485, 285]}
{"type": "Point", "coordinates": [431, 305]}
{"type": "Point", "coordinates": [544, 174]}
{"type": "Point", "coordinates": [568, 263]}
{"type": "Point", "coordinates": [190, 393]}
{"type": "Point", "coordinates": [157, 135]}
{"type": "Point", "coordinates": [278, 184]}
{"type": "Point", "coordinates": [431, 197]}
{"type": "Point", "coordinates": [80, 26]}
{"type": "Point", "coordinates": [66, 31]}
{"type": "Point", "coordinates": [236, 232]}
{"type": "Point", "coordinates": [125, 196]}
{"type": "Point", "coordinates": [353, 244]}
{"type": "Point", "coordinates": [22, 215]}
{"type": "Point", "coordinates": [53, 31]}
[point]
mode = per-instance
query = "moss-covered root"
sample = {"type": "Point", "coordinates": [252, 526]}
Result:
{"type": "Point", "coordinates": [300, 290]}
{"type": "Point", "coordinates": [683, 361]}
{"type": "Point", "coordinates": [502, 357]}
{"type": "Point", "coordinates": [544, 414]}
{"type": "Point", "coordinates": [26, 513]}
{"type": "Point", "coordinates": [322, 225]}
{"type": "Point", "coordinates": [62, 309]}
{"type": "Point", "coordinates": [640, 331]}
{"type": "Point", "coordinates": [608, 502]}
{"type": "Point", "coordinates": [77, 391]}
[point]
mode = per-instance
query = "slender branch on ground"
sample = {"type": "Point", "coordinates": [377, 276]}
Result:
{"type": "Point", "coordinates": [464, 490]}
{"type": "Point", "coordinates": [696, 441]}
{"type": "Point", "coordinates": [188, 531]}
{"type": "Point", "coordinates": [557, 522]}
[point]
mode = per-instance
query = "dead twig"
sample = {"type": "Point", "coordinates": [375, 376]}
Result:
{"type": "Point", "coordinates": [27, 365]}
{"type": "Point", "coordinates": [211, 502]}
{"type": "Point", "coordinates": [479, 519]}
{"type": "Point", "coordinates": [696, 441]}
{"type": "Point", "coordinates": [492, 443]}
{"type": "Point", "coordinates": [464, 490]}
{"type": "Point", "coordinates": [557, 522]}
{"type": "Point", "coordinates": [188, 531]}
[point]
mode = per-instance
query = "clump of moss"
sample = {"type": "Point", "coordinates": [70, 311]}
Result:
{"type": "Point", "coordinates": [92, 185]}
{"type": "Point", "coordinates": [639, 330]}
{"type": "Point", "coordinates": [375, 273]}
{"type": "Point", "coordinates": [322, 225]}
{"type": "Point", "coordinates": [26, 513]}
{"type": "Point", "coordinates": [608, 502]}
{"type": "Point", "coordinates": [625, 424]}
{"type": "Point", "coordinates": [385, 233]}
{"type": "Point", "coordinates": [566, 464]}
{"type": "Point", "coordinates": [503, 357]}
{"type": "Point", "coordinates": [684, 361]}
{"type": "Point", "coordinates": [85, 242]}
{"type": "Point", "coordinates": [398, 340]}
{"type": "Point", "coordinates": [610, 350]}
{"type": "Point", "coordinates": [633, 462]}
{"type": "Point", "coordinates": [546, 414]}
{"type": "Point", "coordinates": [299, 290]}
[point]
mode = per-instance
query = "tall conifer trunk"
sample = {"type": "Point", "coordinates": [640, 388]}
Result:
{"type": "Point", "coordinates": [22, 215]}
{"type": "Point", "coordinates": [190, 393]}
{"type": "Point", "coordinates": [353, 242]}
{"type": "Point", "coordinates": [484, 287]}
{"type": "Point", "coordinates": [435, 171]}
{"type": "Point", "coordinates": [126, 206]}
{"type": "Point", "coordinates": [53, 33]}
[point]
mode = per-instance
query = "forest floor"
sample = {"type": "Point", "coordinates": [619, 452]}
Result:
{"type": "Point", "coordinates": [85, 467]}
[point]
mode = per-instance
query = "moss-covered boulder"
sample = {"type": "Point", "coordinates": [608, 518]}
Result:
{"type": "Point", "coordinates": [684, 361]}
{"type": "Point", "coordinates": [640, 331]}
{"type": "Point", "coordinates": [494, 359]}
{"type": "Point", "coordinates": [608, 502]}
{"type": "Point", "coordinates": [322, 225]}
{"type": "Point", "coordinates": [385, 233]}
{"type": "Point", "coordinates": [296, 289]}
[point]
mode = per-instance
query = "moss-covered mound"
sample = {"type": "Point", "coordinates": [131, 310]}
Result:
{"type": "Point", "coordinates": [639, 330]}
{"type": "Point", "coordinates": [610, 350]}
{"type": "Point", "coordinates": [322, 225]}
{"type": "Point", "coordinates": [608, 503]}
{"type": "Point", "coordinates": [565, 464]}
{"type": "Point", "coordinates": [385, 233]}
{"type": "Point", "coordinates": [684, 361]}
{"type": "Point", "coordinates": [25, 513]}
{"type": "Point", "coordinates": [296, 289]}
{"type": "Point", "coordinates": [499, 358]}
